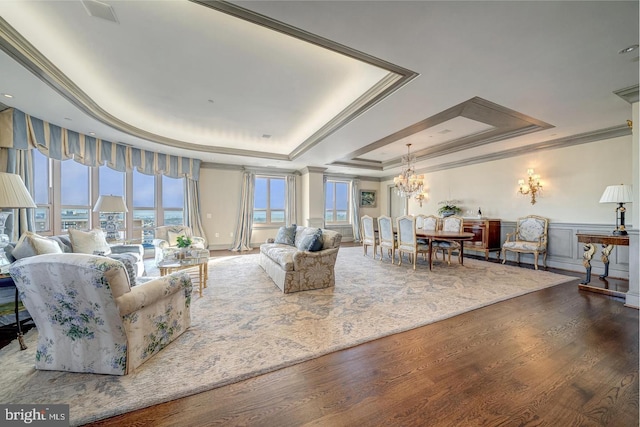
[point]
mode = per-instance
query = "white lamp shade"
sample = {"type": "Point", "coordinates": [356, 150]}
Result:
{"type": "Point", "coordinates": [617, 194]}
{"type": "Point", "coordinates": [13, 193]}
{"type": "Point", "coordinates": [110, 204]}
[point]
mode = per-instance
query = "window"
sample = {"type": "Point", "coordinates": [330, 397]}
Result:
{"type": "Point", "coordinates": [269, 201]}
{"type": "Point", "coordinates": [144, 202]}
{"type": "Point", "coordinates": [66, 191]}
{"type": "Point", "coordinates": [74, 195]}
{"type": "Point", "coordinates": [41, 193]}
{"type": "Point", "coordinates": [173, 200]}
{"type": "Point", "coordinates": [336, 202]}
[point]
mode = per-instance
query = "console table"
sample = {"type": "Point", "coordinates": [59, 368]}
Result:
{"type": "Point", "coordinates": [608, 242]}
{"type": "Point", "coordinates": [486, 235]}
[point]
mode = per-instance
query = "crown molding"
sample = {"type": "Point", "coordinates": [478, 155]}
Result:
{"type": "Point", "coordinates": [629, 94]}
{"type": "Point", "coordinates": [583, 138]}
{"type": "Point", "coordinates": [18, 48]}
{"type": "Point", "coordinates": [505, 123]}
{"type": "Point", "coordinates": [312, 169]}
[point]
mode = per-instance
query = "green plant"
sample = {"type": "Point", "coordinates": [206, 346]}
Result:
{"type": "Point", "coordinates": [449, 206]}
{"type": "Point", "coordinates": [184, 241]}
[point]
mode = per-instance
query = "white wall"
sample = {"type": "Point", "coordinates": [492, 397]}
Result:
{"type": "Point", "coordinates": [573, 179]}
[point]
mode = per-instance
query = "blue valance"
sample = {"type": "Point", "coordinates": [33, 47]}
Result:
{"type": "Point", "coordinates": [21, 131]}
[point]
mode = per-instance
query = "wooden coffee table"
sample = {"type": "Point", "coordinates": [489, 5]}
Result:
{"type": "Point", "coordinates": [201, 262]}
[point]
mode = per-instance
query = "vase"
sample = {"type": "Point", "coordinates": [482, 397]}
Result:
{"type": "Point", "coordinates": [448, 213]}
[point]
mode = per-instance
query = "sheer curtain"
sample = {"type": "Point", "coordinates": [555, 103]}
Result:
{"type": "Point", "coordinates": [355, 209]}
{"type": "Point", "coordinates": [292, 214]}
{"type": "Point", "coordinates": [192, 209]}
{"type": "Point", "coordinates": [242, 240]}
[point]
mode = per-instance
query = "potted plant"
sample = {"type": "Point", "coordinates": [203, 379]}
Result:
{"type": "Point", "coordinates": [448, 208]}
{"type": "Point", "coordinates": [184, 243]}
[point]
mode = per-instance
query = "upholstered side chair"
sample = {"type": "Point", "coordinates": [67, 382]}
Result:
{"type": "Point", "coordinates": [407, 241]}
{"type": "Point", "coordinates": [89, 319]}
{"type": "Point", "coordinates": [530, 236]}
{"type": "Point", "coordinates": [451, 223]}
{"type": "Point", "coordinates": [387, 238]}
{"type": "Point", "coordinates": [368, 234]}
{"type": "Point", "coordinates": [165, 241]}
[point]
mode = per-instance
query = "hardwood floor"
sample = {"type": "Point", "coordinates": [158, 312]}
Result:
{"type": "Point", "coordinates": [556, 357]}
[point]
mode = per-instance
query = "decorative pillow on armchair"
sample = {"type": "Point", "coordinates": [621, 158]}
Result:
{"type": "Point", "coordinates": [31, 244]}
{"type": "Point", "coordinates": [173, 237]}
{"type": "Point", "coordinates": [287, 235]}
{"type": "Point", "coordinates": [89, 242]}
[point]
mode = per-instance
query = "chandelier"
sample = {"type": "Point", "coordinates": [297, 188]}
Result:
{"type": "Point", "coordinates": [408, 183]}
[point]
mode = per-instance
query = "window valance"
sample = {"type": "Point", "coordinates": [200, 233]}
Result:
{"type": "Point", "coordinates": [22, 132]}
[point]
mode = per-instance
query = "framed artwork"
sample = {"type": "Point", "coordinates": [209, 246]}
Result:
{"type": "Point", "coordinates": [368, 199]}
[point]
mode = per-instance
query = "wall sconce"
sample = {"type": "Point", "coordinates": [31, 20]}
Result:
{"type": "Point", "coordinates": [530, 186]}
{"type": "Point", "coordinates": [421, 197]}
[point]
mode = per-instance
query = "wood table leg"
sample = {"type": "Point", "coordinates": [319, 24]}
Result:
{"type": "Point", "coordinates": [430, 254]}
{"type": "Point", "coordinates": [606, 251]}
{"type": "Point", "coordinates": [589, 250]}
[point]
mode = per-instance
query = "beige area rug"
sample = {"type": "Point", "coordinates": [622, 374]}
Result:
{"type": "Point", "coordinates": [244, 326]}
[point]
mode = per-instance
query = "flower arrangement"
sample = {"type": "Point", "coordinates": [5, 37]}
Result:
{"type": "Point", "coordinates": [449, 207]}
{"type": "Point", "coordinates": [184, 241]}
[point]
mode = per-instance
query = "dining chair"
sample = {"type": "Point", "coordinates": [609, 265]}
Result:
{"type": "Point", "coordinates": [420, 220]}
{"type": "Point", "coordinates": [387, 238]}
{"type": "Point", "coordinates": [451, 223]}
{"type": "Point", "coordinates": [407, 241]}
{"type": "Point", "coordinates": [368, 234]}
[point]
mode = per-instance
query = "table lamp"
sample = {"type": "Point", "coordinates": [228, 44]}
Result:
{"type": "Point", "coordinates": [14, 195]}
{"type": "Point", "coordinates": [620, 194]}
{"type": "Point", "coordinates": [111, 206]}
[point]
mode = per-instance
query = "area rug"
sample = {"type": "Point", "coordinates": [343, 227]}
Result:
{"type": "Point", "coordinates": [244, 326]}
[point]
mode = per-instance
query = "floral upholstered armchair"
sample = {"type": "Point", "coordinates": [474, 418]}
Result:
{"type": "Point", "coordinates": [166, 240]}
{"type": "Point", "coordinates": [530, 237]}
{"type": "Point", "coordinates": [90, 320]}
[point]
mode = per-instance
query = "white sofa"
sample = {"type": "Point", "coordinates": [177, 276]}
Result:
{"type": "Point", "coordinates": [294, 270]}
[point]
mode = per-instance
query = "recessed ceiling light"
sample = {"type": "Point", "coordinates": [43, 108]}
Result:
{"type": "Point", "coordinates": [629, 49]}
{"type": "Point", "coordinates": [7, 95]}
{"type": "Point", "coordinates": [67, 118]}
{"type": "Point", "coordinates": [92, 133]}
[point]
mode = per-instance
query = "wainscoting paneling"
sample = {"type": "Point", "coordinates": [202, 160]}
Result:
{"type": "Point", "coordinates": [562, 247]}
{"type": "Point", "coordinates": [345, 230]}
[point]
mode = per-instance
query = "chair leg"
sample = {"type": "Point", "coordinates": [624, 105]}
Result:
{"type": "Point", "coordinates": [504, 256]}
{"type": "Point", "coordinates": [544, 259]}
{"type": "Point", "coordinates": [535, 260]}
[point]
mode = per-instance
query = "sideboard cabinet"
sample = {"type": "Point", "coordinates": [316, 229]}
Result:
{"type": "Point", "coordinates": [486, 236]}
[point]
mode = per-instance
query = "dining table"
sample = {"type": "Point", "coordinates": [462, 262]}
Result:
{"type": "Point", "coordinates": [444, 235]}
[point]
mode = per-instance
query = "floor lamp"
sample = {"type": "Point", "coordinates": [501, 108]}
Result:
{"type": "Point", "coordinates": [111, 206]}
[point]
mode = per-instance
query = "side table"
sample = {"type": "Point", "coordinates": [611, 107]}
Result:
{"type": "Point", "coordinates": [6, 282]}
{"type": "Point", "coordinates": [201, 262]}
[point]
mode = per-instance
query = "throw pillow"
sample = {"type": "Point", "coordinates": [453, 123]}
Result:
{"type": "Point", "coordinates": [31, 244]}
{"type": "Point", "coordinates": [311, 241]}
{"type": "Point", "coordinates": [173, 237]}
{"type": "Point", "coordinates": [286, 235]}
{"type": "Point", "coordinates": [89, 242]}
